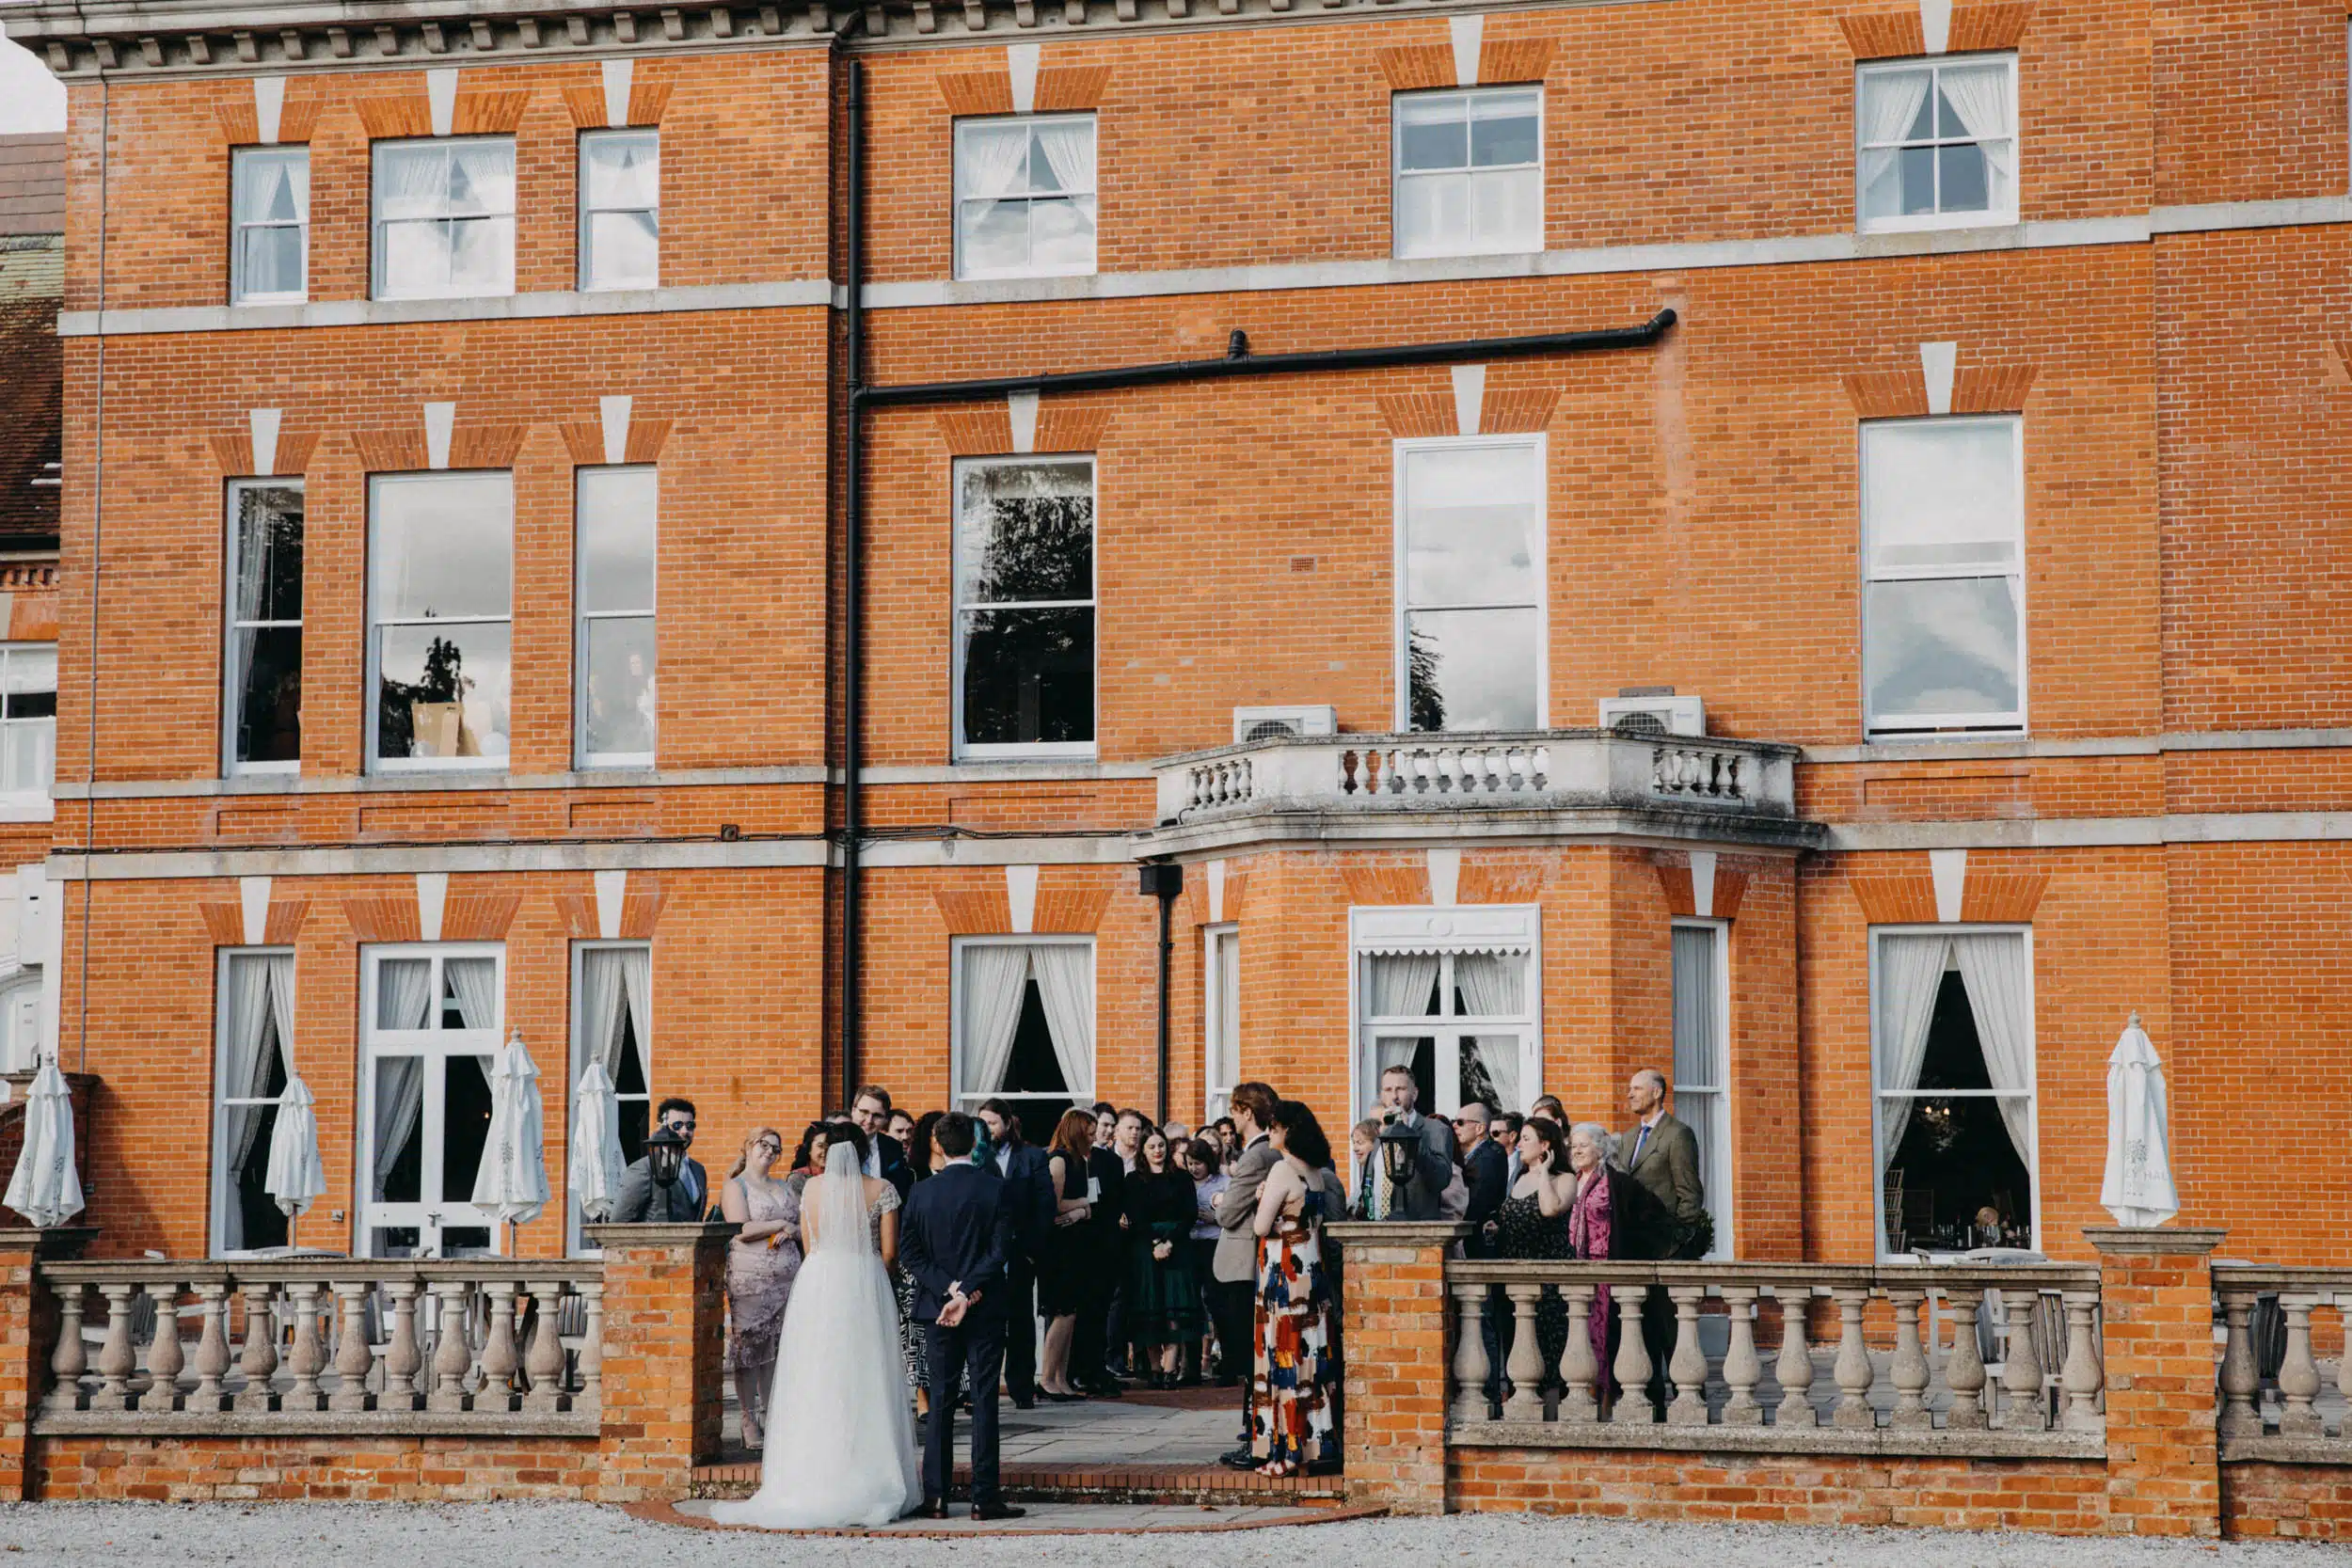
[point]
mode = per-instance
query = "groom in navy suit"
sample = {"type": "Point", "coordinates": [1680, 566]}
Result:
{"type": "Point", "coordinates": [955, 1240]}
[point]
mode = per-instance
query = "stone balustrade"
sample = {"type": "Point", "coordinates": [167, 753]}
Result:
{"type": "Point", "coordinates": [326, 1344]}
{"type": "Point", "coordinates": [1360, 780]}
{"type": "Point", "coordinates": [2312, 1419]}
{"type": "Point", "coordinates": [1805, 1378]}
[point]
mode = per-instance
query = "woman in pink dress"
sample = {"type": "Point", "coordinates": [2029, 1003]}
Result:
{"type": "Point", "coordinates": [1592, 1225]}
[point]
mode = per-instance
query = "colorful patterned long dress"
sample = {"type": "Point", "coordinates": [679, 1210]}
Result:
{"type": "Point", "coordinates": [1293, 1399]}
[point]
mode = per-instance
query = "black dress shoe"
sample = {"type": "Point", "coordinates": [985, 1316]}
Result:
{"type": "Point", "coordinates": [1240, 1459]}
{"type": "Point", "coordinates": [997, 1510]}
{"type": "Point", "coordinates": [936, 1509]}
{"type": "Point", "coordinates": [1024, 1404]}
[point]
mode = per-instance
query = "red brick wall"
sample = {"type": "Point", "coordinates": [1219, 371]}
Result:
{"type": "Point", "coordinates": [316, 1469]}
{"type": "Point", "coordinates": [2288, 1501]}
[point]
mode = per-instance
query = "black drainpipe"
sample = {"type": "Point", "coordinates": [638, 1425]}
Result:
{"type": "Point", "coordinates": [854, 581]}
{"type": "Point", "coordinates": [1165, 882]}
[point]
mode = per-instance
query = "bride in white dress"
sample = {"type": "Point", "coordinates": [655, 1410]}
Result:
{"type": "Point", "coordinates": [840, 1433]}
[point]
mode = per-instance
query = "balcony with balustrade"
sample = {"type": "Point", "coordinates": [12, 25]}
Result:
{"type": "Point", "coordinates": [1538, 785]}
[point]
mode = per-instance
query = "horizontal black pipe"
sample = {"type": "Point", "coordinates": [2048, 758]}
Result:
{"type": "Point", "coordinates": [1245, 363]}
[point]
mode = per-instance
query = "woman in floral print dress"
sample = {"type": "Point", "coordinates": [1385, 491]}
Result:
{"type": "Point", "coordinates": [1293, 1406]}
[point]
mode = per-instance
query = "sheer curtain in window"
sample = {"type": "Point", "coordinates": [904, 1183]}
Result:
{"type": "Point", "coordinates": [1890, 102]}
{"type": "Point", "coordinates": [1069, 149]}
{"type": "Point", "coordinates": [1397, 985]}
{"type": "Point", "coordinates": [1065, 983]}
{"type": "Point", "coordinates": [1979, 96]}
{"type": "Point", "coordinates": [996, 979]}
{"type": "Point", "coordinates": [637, 990]}
{"type": "Point", "coordinates": [1493, 985]}
{"type": "Point", "coordinates": [1993, 969]}
{"type": "Point", "coordinates": [474, 982]}
{"type": "Point", "coordinates": [404, 1001]}
{"type": "Point", "coordinates": [411, 182]}
{"type": "Point", "coordinates": [1911, 970]}
{"type": "Point", "coordinates": [602, 1009]}
{"type": "Point", "coordinates": [995, 162]}
{"type": "Point", "coordinates": [249, 1032]}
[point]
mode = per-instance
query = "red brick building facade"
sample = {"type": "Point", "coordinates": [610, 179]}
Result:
{"type": "Point", "coordinates": [456, 636]}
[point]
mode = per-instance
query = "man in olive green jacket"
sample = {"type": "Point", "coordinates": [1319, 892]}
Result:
{"type": "Point", "coordinates": [1661, 1154]}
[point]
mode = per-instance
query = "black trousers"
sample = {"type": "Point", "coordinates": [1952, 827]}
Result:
{"type": "Point", "coordinates": [974, 1347]}
{"type": "Point", "coordinates": [1658, 1338]}
{"type": "Point", "coordinates": [1232, 1303]}
{"type": "Point", "coordinates": [1021, 1331]}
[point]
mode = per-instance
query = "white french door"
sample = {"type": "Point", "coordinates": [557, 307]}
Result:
{"type": "Point", "coordinates": [1463, 1022]}
{"type": "Point", "coordinates": [431, 1021]}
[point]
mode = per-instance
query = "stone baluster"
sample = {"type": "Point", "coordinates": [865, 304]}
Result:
{"type": "Point", "coordinates": [117, 1360]}
{"type": "Point", "coordinates": [403, 1357]}
{"type": "Point", "coordinates": [1515, 762]}
{"type": "Point", "coordinates": [1793, 1371]}
{"type": "Point", "coordinates": [212, 1350]}
{"type": "Point", "coordinates": [1540, 760]}
{"type": "Point", "coordinates": [260, 1361]}
{"type": "Point", "coordinates": [71, 1357]}
{"type": "Point", "coordinates": [453, 1357]}
{"type": "Point", "coordinates": [544, 1363]}
{"type": "Point", "coordinates": [2084, 1376]}
{"type": "Point", "coordinates": [2240, 1378]}
{"type": "Point", "coordinates": [1743, 1367]}
{"type": "Point", "coordinates": [1852, 1366]}
{"type": "Point", "coordinates": [167, 1357]}
{"type": "Point", "coordinates": [499, 1360]}
{"type": "Point", "coordinates": [1633, 1408]}
{"type": "Point", "coordinates": [306, 1357]}
{"type": "Point", "coordinates": [354, 1356]}
{"type": "Point", "coordinates": [1909, 1369]}
{"type": "Point", "coordinates": [1525, 1366]}
{"type": "Point", "coordinates": [1469, 1353]}
{"type": "Point", "coordinates": [2021, 1369]}
{"type": "Point", "coordinates": [2344, 1362]}
{"type": "Point", "coordinates": [1578, 1368]}
{"type": "Point", "coordinates": [591, 1395]}
{"type": "Point", "coordinates": [2298, 1375]}
{"type": "Point", "coordinates": [1964, 1370]}
{"type": "Point", "coordinates": [1686, 1366]}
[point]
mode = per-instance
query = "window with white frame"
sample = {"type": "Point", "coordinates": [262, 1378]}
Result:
{"type": "Point", "coordinates": [1469, 172]}
{"type": "Point", "coordinates": [613, 598]}
{"type": "Point", "coordinates": [253, 1034]}
{"type": "Point", "coordinates": [1025, 196]}
{"type": "Point", "coordinates": [620, 209]}
{"type": "Point", "coordinates": [28, 717]}
{"type": "Point", "coordinates": [1952, 1073]}
{"type": "Point", "coordinates": [1470, 566]}
{"type": "Point", "coordinates": [1454, 996]}
{"type": "Point", "coordinates": [269, 197]}
{"type": "Point", "coordinates": [1936, 142]}
{"type": "Point", "coordinates": [263, 707]}
{"type": "Point", "coordinates": [1944, 614]}
{"type": "Point", "coordinates": [1702, 1074]}
{"type": "Point", "coordinates": [612, 1029]}
{"type": "Point", "coordinates": [1220, 1018]}
{"type": "Point", "coordinates": [1024, 607]}
{"type": "Point", "coordinates": [1024, 1012]}
{"type": "Point", "coordinates": [440, 602]}
{"type": "Point", "coordinates": [444, 221]}
{"type": "Point", "coordinates": [430, 1018]}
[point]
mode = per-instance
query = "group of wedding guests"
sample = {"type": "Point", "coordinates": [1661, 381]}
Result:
{"type": "Point", "coordinates": [1145, 1251]}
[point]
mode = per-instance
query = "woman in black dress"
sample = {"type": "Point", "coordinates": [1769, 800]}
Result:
{"type": "Point", "coordinates": [1163, 1300]}
{"type": "Point", "coordinates": [1534, 1223]}
{"type": "Point", "coordinates": [1061, 1282]}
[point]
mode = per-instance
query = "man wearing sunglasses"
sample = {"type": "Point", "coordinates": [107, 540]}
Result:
{"type": "Point", "coordinates": [645, 1202]}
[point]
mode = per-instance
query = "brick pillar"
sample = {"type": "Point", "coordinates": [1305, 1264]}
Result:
{"type": "Point", "coordinates": [2156, 1288]}
{"type": "Point", "coordinates": [664, 1343]}
{"type": "Point", "coordinates": [1394, 1345]}
{"type": "Point", "coordinates": [28, 1331]}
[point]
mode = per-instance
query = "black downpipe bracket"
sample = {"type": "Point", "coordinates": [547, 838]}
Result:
{"type": "Point", "coordinates": [1237, 362]}
{"type": "Point", "coordinates": [852, 580]}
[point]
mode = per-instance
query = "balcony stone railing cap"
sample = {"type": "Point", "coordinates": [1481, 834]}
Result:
{"type": "Point", "coordinates": [1396, 1232]}
{"type": "Point", "coordinates": [1482, 739]}
{"type": "Point", "coordinates": [2192, 1241]}
{"type": "Point", "coordinates": [57, 1242]}
{"type": "Point", "coordinates": [613, 1233]}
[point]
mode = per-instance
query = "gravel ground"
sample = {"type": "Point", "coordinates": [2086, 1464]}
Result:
{"type": "Point", "coordinates": [579, 1535]}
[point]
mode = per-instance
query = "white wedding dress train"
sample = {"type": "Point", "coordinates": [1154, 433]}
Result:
{"type": "Point", "coordinates": [840, 1433]}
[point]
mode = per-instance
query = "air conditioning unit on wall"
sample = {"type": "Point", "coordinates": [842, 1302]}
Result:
{"type": "Point", "coordinates": [1267, 723]}
{"type": "Point", "coordinates": [1662, 713]}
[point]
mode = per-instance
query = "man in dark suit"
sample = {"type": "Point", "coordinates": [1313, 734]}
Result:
{"type": "Point", "coordinates": [1485, 1170]}
{"type": "Point", "coordinates": [1090, 1347]}
{"type": "Point", "coordinates": [954, 1237]}
{"type": "Point", "coordinates": [642, 1200]}
{"type": "Point", "coordinates": [1030, 1193]}
{"type": "Point", "coordinates": [886, 1158]}
{"type": "Point", "coordinates": [1663, 1155]}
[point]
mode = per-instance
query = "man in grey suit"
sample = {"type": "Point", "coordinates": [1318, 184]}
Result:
{"type": "Point", "coordinates": [1663, 1155]}
{"type": "Point", "coordinates": [645, 1202]}
{"type": "Point", "coordinates": [1235, 1263]}
{"type": "Point", "coordinates": [1432, 1160]}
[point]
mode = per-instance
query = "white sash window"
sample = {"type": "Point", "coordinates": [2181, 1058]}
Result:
{"type": "Point", "coordinates": [1454, 995]}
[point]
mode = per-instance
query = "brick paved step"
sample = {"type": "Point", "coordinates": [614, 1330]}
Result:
{"type": "Point", "coordinates": [1095, 1483]}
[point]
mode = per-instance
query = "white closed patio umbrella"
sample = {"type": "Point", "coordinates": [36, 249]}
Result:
{"type": "Point", "coordinates": [595, 1165]}
{"type": "Point", "coordinates": [294, 1177]}
{"type": "Point", "coordinates": [512, 1182]}
{"type": "Point", "coordinates": [2138, 1188]}
{"type": "Point", "coordinates": [45, 1188]}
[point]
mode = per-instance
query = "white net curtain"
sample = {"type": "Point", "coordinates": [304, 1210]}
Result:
{"type": "Point", "coordinates": [996, 976]}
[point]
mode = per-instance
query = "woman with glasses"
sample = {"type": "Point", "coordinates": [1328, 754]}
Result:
{"type": "Point", "coordinates": [760, 1269]}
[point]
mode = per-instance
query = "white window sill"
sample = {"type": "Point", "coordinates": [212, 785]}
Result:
{"type": "Point", "coordinates": [1927, 223]}
{"type": "Point", "coordinates": [27, 807]}
{"type": "Point", "coordinates": [250, 301]}
{"type": "Point", "coordinates": [622, 286]}
{"type": "Point", "coordinates": [437, 765]}
{"type": "Point", "coordinates": [1949, 737]}
{"type": "Point", "coordinates": [617, 762]}
{"type": "Point", "coordinates": [265, 770]}
{"type": "Point", "coordinates": [963, 276]}
{"type": "Point", "coordinates": [378, 298]}
{"type": "Point", "coordinates": [1453, 255]}
{"type": "Point", "coordinates": [994, 755]}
